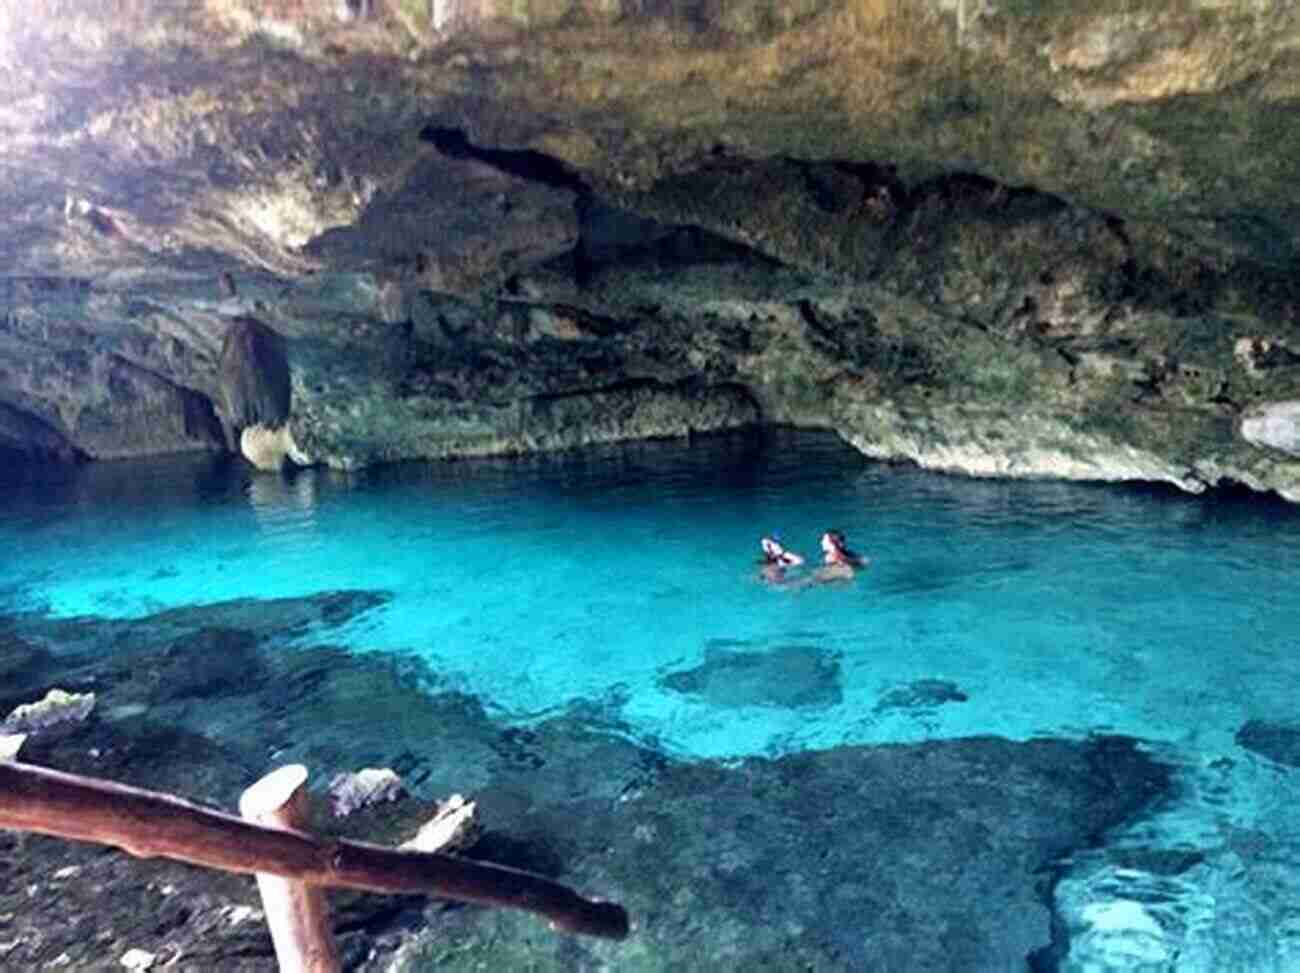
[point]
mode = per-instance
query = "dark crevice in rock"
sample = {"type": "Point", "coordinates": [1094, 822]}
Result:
{"type": "Point", "coordinates": [591, 324]}
{"type": "Point", "coordinates": [377, 914]}
{"type": "Point", "coordinates": [200, 417]}
{"type": "Point", "coordinates": [629, 385]}
{"type": "Point", "coordinates": [513, 852]}
{"type": "Point", "coordinates": [198, 413]}
{"type": "Point", "coordinates": [874, 185]}
{"type": "Point", "coordinates": [608, 235]}
{"type": "Point", "coordinates": [809, 315]}
{"type": "Point", "coordinates": [36, 290]}
{"type": "Point", "coordinates": [612, 237]}
{"type": "Point", "coordinates": [969, 189]}
{"type": "Point", "coordinates": [348, 10]}
{"type": "Point", "coordinates": [523, 163]}
{"type": "Point", "coordinates": [1116, 226]}
{"type": "Point", "coordinates": [27, 438]}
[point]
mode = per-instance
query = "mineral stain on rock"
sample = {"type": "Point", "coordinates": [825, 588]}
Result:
{"type": "Point", "coordinates": [789, 676]}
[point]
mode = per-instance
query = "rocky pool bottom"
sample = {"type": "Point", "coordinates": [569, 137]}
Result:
{"type": "Point", "coordinates": [944, 855]}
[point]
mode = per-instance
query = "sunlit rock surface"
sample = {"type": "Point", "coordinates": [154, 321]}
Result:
{"type": "Point", "coordinates": [1276, 424]}
{"type": "Point", "coordinates": [999, 238]}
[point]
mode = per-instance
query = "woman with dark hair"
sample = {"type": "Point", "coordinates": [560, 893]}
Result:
{"type": "Point", "coordinates": [838, 562]}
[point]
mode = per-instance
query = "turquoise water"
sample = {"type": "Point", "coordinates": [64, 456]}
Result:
{"type": "Point", "coordinates": [1055, 608]}
{"type": "Point", "coordinates": [601, 577]}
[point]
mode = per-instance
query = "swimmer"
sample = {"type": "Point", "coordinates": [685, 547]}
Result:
{"type": "Point", "coordinates": [776, 559]}
{"type": "Point", "coordinates": [838, 562]}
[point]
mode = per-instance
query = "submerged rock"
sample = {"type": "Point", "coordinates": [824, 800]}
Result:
{"type": "Point", "coordinates": [786, 675]}
{"type": "Point", "coordinates": [921, 694]}
{"type": "Point", "coordinates": [262, 618]}
{"type": "Point", "coordinates": [1276, 741]}
{"type": "Point", "coordinates": [927, 856]}
{"type": "Point", "coordinates": [209, 662]}
{"type": "Point", "coordinates": [856, 858]}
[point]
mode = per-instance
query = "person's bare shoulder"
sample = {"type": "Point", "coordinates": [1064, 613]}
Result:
{"type": "Point", "coordinates": [835, 572]}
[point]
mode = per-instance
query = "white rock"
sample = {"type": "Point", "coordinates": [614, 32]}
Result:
{"type": "Point", "coordinates": [1122, 935]}
{"type": "Point", "coordinates": [1275, 425]}
{"type": "Point", "coordinates": [58, 706]}
{"type": "Point", "coordinates": [373, 785]}
{"type": "Point", "coordinates": [454, 826]}
{"type": "Point", "coordinates": [269, 449]}
{"type": "Point", "coordinates": [138, 959]}
{"type": "Point", "coordinates": [235, 914]}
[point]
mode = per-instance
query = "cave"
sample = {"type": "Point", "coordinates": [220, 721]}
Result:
{"type": "Point", "coordinates": [412, 245]}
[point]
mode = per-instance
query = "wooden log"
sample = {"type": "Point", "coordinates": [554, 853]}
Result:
{"type": "Point", "coordinates": [148, 824]}
{"type": "Point", "coordinates": [296, 913]}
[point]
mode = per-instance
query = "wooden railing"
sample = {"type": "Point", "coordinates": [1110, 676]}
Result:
{"type": "Point", "coordinates": [292, 865]}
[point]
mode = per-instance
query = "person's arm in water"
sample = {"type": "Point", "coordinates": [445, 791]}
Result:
{"type": "Point", "coordinates": [775, 560]}
{"type": "Point", "coordinates": [775, 553]}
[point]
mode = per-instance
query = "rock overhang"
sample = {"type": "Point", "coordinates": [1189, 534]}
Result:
{"type": "Point", "coordinates": [1106, 192]}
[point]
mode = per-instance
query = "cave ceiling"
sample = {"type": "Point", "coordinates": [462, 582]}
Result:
{"type": "Point", "coordinates": [480, 224]}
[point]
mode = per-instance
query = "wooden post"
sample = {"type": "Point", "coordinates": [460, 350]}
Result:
{"type": "Point", "coordinates": [296, 912]}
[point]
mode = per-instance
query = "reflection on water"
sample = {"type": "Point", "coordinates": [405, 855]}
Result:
{"type": "Point", "coordinates": [285, 503]}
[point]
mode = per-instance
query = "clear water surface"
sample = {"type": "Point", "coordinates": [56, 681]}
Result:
{"type": "Point", "coordinates": [1055, 609]}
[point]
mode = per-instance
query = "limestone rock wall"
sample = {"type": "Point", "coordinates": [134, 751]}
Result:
{"type": "Point", "coordinates": [990, 237]}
